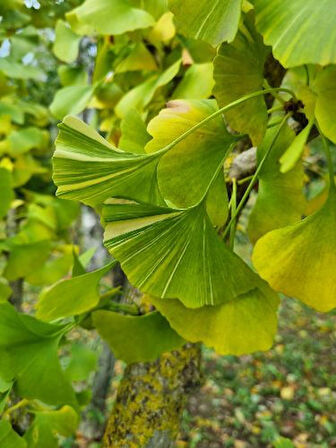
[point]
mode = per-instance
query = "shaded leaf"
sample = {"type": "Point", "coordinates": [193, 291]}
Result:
{"type": "Point", "coordinates": [66, 43]}
{"type": "Point", "coordinates": [136, 338]}
{"type": "Point", "coordinates": [238, 71]}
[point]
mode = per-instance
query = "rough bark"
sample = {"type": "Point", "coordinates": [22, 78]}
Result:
{"type": "Point", "coordinates": [151, 398]}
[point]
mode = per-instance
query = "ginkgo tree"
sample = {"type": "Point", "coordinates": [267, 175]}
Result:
{"type": "Point", "coordinates": [176, 92]}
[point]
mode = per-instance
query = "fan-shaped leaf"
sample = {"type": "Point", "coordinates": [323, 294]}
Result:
{"type": "Point", "coordinates": [290, 28]}
{"type": "Point", "coordinates": [137, 338]}
{"type": "Point", "coordinates": [172, 253]}
{"type": "Point", "coordinates": [238, 71]}
{"type": "Point", "coordinates": [214, 21]}
{"type": "Point", "coordinates": [300, 260]}
{"type": "Point", "coordinates": [246, 324]}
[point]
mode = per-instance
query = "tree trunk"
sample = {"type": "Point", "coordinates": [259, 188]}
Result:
{"type": "Point", "coordinates": [151, 398]}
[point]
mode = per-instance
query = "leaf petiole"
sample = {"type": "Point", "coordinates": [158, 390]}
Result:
{"type": "Point", "coordinates": [254, 178]}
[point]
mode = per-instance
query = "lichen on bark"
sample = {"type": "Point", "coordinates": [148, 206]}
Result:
{"type": "Point", "coordinates": [151, 398]}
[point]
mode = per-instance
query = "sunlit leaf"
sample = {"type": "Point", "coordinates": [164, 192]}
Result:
{"type": "Point", "coordinates": [108, 17]}
{"type": "Point", "coordinates": [185, 172]}
{"type": "Point", "coordinates": [71, 100]}
{"type": "Point", "coordinates": [300, 260]}
{"type": "Point", "coordinates": [66, 42]}
{"type": "Point", "coordinates": [210, 20]}
{"type": "Point", "coordinates": [197, 83]}
{"type": "Point", "coordinates": [88, 168]}
{"type": "Point", "coordinates": [246, 324]}
{"type": "Point", "coordinates": [290, 28]}
{"type": "Point", "coordinates": [71, 296]}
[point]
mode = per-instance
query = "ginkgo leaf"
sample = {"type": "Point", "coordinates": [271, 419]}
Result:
{"type": "Point", "coordinates": [290, 28]}
{"type": "Point", "coordinates": [23, 140]}
{"type": "Point", "coordinates": [300, 260]}
{"type": "Point", "coordinates": [25, 258]}
{"type": "Point", "coordinates": [141, 95]}
{"type": "Point", "coordinates": [71, 100]}
{"type": "Point", "coordinates": [172, 253]}
{"type": "Point", "coordinates": [214, 21]}
{"type": "Point", "coordinates": [134, 135]}
{"type": "Point", "coordinates": [185, 172]}
{"type": "Point", "coordinates": [139, 58]}
{"type": "Point", "coordinates": [28, 355]}
{"type": "Point", "coordinates": [238, 71]}
{"type": "Point", "coordinates": [66, 43]}
{"type": "Point", "coordinates": [325, 110]}
{"type": "Point", "coordinates": [7, 193]}
{"type": "Point", "coordinates": [88, 168]}
{"type": "Point", "coordinates": [49, 423]}
{"type": "Point", "coordinates": [280, 199]}
{"type": "Point", "coordinates": [108, 17]}
{"type": "Point", "coordinates": [246, 324]}
{"type": "Point", "coordinates": [71, 296]}
{"type": "Point", "coordinates": [197, 83]}
{"type": "Point", "coordinates": [136, 338]}
{"type": "Point", "coordinates": [294, 152]}
{"type": "Point", "coordinates": [10, 438]}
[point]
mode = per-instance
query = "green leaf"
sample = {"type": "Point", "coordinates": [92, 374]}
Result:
{"type": "Point", "coordinates": [88, 168]}
{"type": "Point", "coordinates": [197, 83]}
{"type": "Point", "coordinates": [280, 199]}
{"type": "Point", "coordinates": [66, 42]}
{"type": "Point", "coordinates": [71, 296]}
{"type": "Point", "coordinates": [83, 361]}
{"type": "Point", "coordinates": [172, 253]}
{"type": "Point", "coordinates": [300, 260]}
{"type": "Point", "coordinates": [294, 152]}
{"type": "Point", "coordinates": [72, 75]}
{"type": "Point", "coordinates": [246, 324]}
{"type": "Point", "coordinates": [140, 96]}
{"type": "Point", "coordinates": [5, 290]}
{"type": "Point", "coordinates": [7, 194]}
{"type": "Point", "coordinates": [281, 442]}
{"type": "Point", "coordinates": [134, 135]}
{"type": "Point", "coordinates": [23, 140]}
{"type": "Point", "coordinates": [9, 438]}
{"type": "Point", "coordinates": [238, 71]}
{"type": "Point", "coordinates": [217, 202]}
{"type": "Point", "coordinates": [325, 110]}
{"type": "Point", "coordinates": [71, 100]}
{"type": "Point", "coordinates": [108, 17]}
{"type": "Point", "coordinates": [25, 258]}
{"type": "Point", "coordinates": [47, 424]}
{"type": "Point", "coordinates": [136, 339]}
{"type": "Point", "coordinates": [16, 70]}
{"type": "Point", "coordinates": [213, 21]}
{"type": "Point", "coordinates": [139, 58]}
{"type": "Point", "coordinates": [28, 355]}
{"type": "Point", "coordinates": [51, 271]}
{"type": "Point", "coordinates": [290, 28]}
{"type": "Point", "coordinates": [185, 172]}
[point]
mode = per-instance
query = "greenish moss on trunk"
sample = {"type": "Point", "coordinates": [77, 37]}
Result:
{"type": "Point", "coordinates": [151, 398]}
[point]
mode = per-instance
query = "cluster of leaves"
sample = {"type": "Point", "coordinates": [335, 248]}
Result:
{"type": "Point", "coordinates": [176, 89]}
